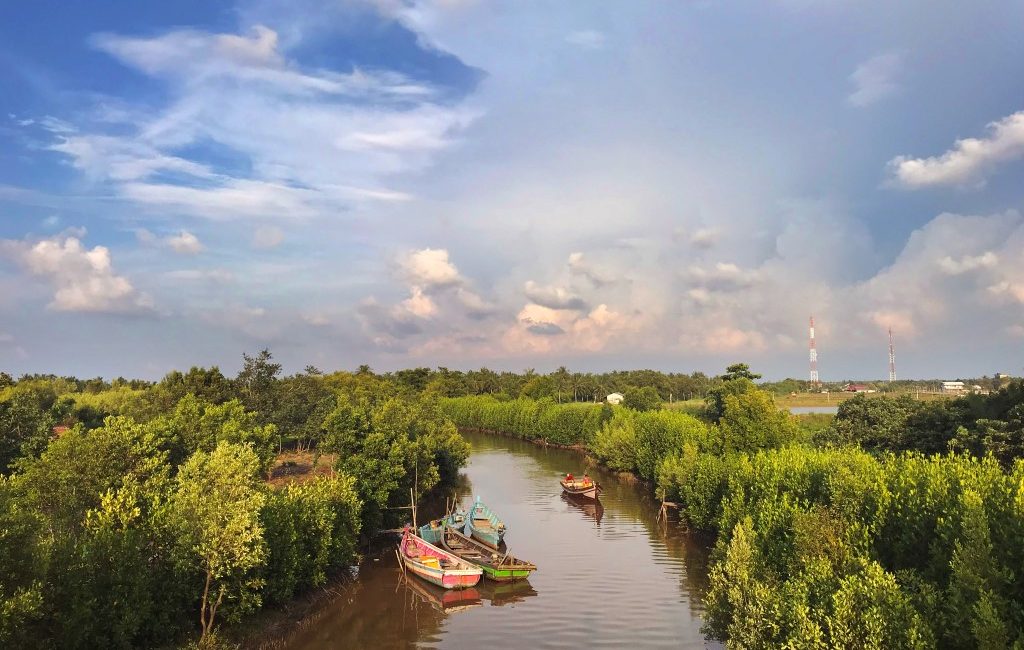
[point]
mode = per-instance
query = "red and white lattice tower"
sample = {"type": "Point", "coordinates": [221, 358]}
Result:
{"type": "Point", "coordinates": [813, 357]}
{"type": "Point", "coordinates": [892, 358]}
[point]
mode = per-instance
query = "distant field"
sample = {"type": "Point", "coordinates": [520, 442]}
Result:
{"type": "Point", "coordinates": [832, 399]}
{"type": "Point", "coordinates": [691, 406]}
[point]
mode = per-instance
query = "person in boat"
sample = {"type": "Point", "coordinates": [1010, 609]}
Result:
{"type": "Point", "coordinates": [569, 478]}
{"type": "Point", "coordinates": [586, 479]}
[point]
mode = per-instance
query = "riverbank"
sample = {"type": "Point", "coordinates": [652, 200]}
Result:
{"type": "Point", "coordinates": [647, 579]}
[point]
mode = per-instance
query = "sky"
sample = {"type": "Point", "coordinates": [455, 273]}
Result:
{"type": "Point", "coordinates": [513, 184]}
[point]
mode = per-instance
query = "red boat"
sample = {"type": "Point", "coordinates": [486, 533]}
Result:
{"type": "Point", "coordinates": [435, 565]}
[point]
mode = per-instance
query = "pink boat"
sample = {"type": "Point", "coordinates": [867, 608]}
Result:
{"type": "Point", "coordinates": [435, 565]}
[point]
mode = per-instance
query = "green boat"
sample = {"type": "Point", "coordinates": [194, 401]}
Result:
{"type": "Point", "coordinates": [497, 566]}
{"type": "Point", "coordinates": [431, 531]}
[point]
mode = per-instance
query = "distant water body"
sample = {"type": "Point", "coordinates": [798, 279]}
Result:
{"type": "Point", "coordinates": [804, 410]}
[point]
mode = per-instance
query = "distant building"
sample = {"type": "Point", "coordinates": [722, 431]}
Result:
{"type": "Point", "coordinates": [857, 388]}
{"type": "Point", "coordinates": [1002, 375]}
{"type": "Point", "coordinates": [615, 398]}
{"type": "Point", "coordinates": [952, 387]}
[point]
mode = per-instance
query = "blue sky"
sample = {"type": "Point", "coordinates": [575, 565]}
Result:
{"type": "Point", "coordinates": [512, 184]}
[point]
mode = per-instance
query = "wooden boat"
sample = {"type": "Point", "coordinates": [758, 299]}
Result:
{"type": "Point", "coordinates": [579, 487]}
{"type": "Point", "coordinates": [483, 525]}
{"type": "Point", "coordinates": [431, 531]}
{"type": "Point", "coordinates": [435, 565]}
{"type": "Point", "coordinates": [496, 566]}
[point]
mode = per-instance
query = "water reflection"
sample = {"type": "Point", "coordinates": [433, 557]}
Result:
{"type": "Point", "coordinates": [643, 579]}
{"type": "Point", "coordinates": [445, 600]}
{"type": "Point", "coordinates": [592, 508]}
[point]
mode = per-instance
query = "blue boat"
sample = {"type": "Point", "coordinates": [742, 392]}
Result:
{"type": "Point", "coordinates": [483, 525]}
{"type": "Point", "coordinates": [433, 531]}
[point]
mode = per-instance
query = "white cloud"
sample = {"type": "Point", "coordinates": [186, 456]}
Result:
{"type": "Point", "coordinates": [704, 238]}
{"type": "Point", "coordinates": [267, 237]}
{"type": "Point", "coordinates": [185, 243]}
{"type": "Point", "coordinates": [554, 297]}
{"type": "Point", "coordinates": [969, 159]}
{"type": "Point", "coordinates": [968, 263]}
{"type": "Point", "coordinates": [300, 129]}
{"type": "Point", "coordinates": [430, 267]}
{"type": "Point", "coordinates": [586, 38]}
{"type": "Point", "coordinates": [84, 280]}
{"type": "Point", "coordinates": [875, 79]}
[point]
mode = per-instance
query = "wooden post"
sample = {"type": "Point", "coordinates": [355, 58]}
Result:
{"type": "Point", "coordinates": [412, 500]}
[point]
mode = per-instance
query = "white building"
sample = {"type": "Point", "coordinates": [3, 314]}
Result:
{"type": "Point", "coordinates": [952, 387]}
{"type": "Point", "coordinates": [615, 398]}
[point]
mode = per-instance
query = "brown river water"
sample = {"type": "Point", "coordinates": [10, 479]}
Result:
{"type": "Point", "coordinates": [609, 576]}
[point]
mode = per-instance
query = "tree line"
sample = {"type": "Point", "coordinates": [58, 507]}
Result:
{"type": "Point", "coordinates": [134, 515]}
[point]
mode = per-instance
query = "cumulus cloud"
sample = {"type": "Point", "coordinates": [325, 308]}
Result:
{"type": "Point", "coordinates": [704, 238]}
{"type": "Point", "coordinates": [875, 79]}
{"type": "Point", "coordinates": [83, 279]}
{"type": "Point", "coordinates": [554, 297]}
{"type": "Point", "coordinates": [968, 263]}
{"type": "Point", "coordinates": [185, 243]}
{"type": "Point", "coordinates": [968, 161]}
{"type": "Point", "coordinates": [430, 267]}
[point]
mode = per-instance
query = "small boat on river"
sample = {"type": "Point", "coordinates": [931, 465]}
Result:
{"type": "Point", "coordinates": [432, 530]}
{"type": "Point", "coordinates": [496, 566]}
{"type": "Point", "coordinates": [435, 565]}
{"type": "Point", "coordinates": [585, 487]}
{"type": "Point", "coordinates": [483, 525]}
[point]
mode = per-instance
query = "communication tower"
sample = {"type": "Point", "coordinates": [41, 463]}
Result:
{"type": "Point", "coordinates": [813, 357]}
{"type": "Point", "coordinates": [892, 358]}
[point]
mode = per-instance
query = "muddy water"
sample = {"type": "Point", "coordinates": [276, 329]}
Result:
{"type": "Point", "coordinates": [610, 576]}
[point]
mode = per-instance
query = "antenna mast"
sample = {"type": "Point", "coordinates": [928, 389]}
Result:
{"type": "Point", "coordinates": [892, 358]}
{"type": "Point", "coordinates": [813, 357]}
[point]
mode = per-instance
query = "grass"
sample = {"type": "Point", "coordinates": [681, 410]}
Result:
{"type": "Point", "coordinates": [691, 406]}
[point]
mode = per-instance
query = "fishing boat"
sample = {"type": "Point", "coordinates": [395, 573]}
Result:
{"type": "Point", "coordinates": [432, 530]}
{"type": "Point", "coordinates": [435, 565]}
{"type": "Point", "coordinates": [496, 566]}
{"type": "Point", "coordinates": [483, 525]}
{"type": "Point", "coordinates": [580, 487]}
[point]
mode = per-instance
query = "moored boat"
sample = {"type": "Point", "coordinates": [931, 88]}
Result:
{"type": "Point", "coordinates": [483, 525]}
{"type": "Point", "coordinates": [496, 566]}
{"type": "Point", "coordinates": [431, 531]}
{"type": "Point", "coordinates": [581, 487]}
{"type": "Point", "coordinates": [436, 565]}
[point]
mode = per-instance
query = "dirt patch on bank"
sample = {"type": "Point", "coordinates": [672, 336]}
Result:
{"type": "Point", "coordinates": [297, 467]}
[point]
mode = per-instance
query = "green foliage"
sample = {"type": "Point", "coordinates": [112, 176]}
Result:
{"type": "Point", "coordinates": [311, 530]}
{"type": "Point", "coordinates": [25, 424]}
{"type": "Point", "coordinates": [714, 401]}
{"type": "Point", "coordinates": [214, 512]}
{"type": "Point", "coordinates": [642, 399]}
{"type": "Point", "coordinates": [750, 420]}
{"type": "Point", "coordinates": [114, 532]}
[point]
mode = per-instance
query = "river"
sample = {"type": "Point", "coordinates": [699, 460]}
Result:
{"type": "Point", "coordinates": [609, 576]}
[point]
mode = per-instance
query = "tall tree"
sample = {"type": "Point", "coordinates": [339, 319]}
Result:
{"type": "Point", "coordinates": [215, 510]}
{"type": "Point", "coordinates": [257, 383]}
